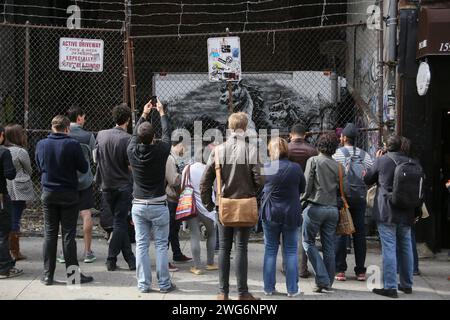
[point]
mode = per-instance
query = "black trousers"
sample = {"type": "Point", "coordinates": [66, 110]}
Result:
{"type": "Point", "coordinates": [6, 261]}
{"type": "Point", "coordinates": [226, 237]}
{"type": "Point", "coordinates": [174, 230]}
{"type": "Point", "coordinates": [59, 208]}
{"type": "Point", "coordinates": [119, 202]}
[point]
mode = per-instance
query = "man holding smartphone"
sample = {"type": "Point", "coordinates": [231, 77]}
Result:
{"type": "Point", "coordinates": [150, 210]}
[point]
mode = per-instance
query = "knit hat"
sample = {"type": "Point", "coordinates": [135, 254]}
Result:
{"type": "Point", "coordinates": [350, 131]}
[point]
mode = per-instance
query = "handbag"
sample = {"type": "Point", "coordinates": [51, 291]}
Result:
{"type": "Point", "coordinates": [345, 225]}
{"type": "Point", "coordinates": [186, 208]}
{"type": "Point", "coordinates": [234, 212]}
{"type": "Point", "coordinates": [371, 193]}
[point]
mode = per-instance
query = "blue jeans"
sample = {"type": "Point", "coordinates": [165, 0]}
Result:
{"type": "Point", "coordinates": [147, 217]}
{"type": "Point", "coordinates": [17, 210]}
{"type": "Point", "coordinates": [272, 233]}
{"type": "Point", "coordinates": [414, 250]}
{"type": "Point", "coordinates": [323, 220]}
{"type": "Point", "coordinates": [391, 236]}
{"type": "Point", "coordinates": [357, 210]}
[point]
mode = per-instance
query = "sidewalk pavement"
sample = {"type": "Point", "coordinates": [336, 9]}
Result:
{"type": "Point", "coordinates": [121, 285]}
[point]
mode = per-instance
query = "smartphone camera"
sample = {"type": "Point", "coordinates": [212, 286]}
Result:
{"type": "Point", "coordinates": [153, 101]}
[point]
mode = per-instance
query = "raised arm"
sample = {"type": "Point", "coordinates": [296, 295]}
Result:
{"type": "Point", "coordinates": [164, 124]}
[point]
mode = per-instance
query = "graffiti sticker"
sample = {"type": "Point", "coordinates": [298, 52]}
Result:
{"type": "Point", "coordinates": [224, 59]}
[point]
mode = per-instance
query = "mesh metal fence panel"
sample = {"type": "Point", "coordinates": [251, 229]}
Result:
{"type": "Point", "coordinates": [287, 79]}
{"type": "Point", "coordinates": [321, 77]}
{"type": "Point", "coordinates": [52, 91]}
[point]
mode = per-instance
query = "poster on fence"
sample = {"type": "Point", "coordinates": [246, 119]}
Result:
{"type": "Point", "coordinates": [81, 55]}
{"type": "Point", "coordinates": [224, 59]}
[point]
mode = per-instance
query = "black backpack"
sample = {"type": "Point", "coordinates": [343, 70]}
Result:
{"type": "Point", "coordinates": [407, 189]}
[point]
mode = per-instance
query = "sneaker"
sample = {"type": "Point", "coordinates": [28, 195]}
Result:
{"type": "Point", "coordinates": [361, 277]}
{"type": "Point", "coordinates": [60, 258]}
{"type": "Point", "coordinates": [11, 273]}
{"type": "Point", "coordinates": [271, 293]}
{"type": "Point", "coordinates": [169, 289]}
{"type": "Point", "coordinates": [293, 295]}
{"type": "Point", "coordinates": [320, 289]}
{"type": "Point", "coordinates": [47, 280]}
{"type": "Point", "coordinates": [196, 271]}
{"type": "Point", "coordinates": [211, 267]}
{"type": "Point", "coordinates": [89, 257]}
{"type": "Point", "coordinates": [182, 259]}
{"type": "Point", "coordinates": [390, 293]}
{"type": "Point", "coordinates": [172, 268]}
{"type": "Point", "coordinates": [340, 276]}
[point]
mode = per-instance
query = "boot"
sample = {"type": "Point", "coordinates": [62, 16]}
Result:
{"type": "Point", "coordinates": [15, 247]}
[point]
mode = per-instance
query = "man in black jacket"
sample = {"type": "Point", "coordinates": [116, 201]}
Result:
{"type": "Point", "coordinates": [7, 171]}
{"type": "Point", "coordinates": [58, 158]}
{"type": "Point", "coordinates": [150, 211]}
{"type": "Point", "coordinates": [394, 223]}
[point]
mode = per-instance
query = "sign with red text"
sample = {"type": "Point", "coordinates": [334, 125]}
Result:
{"type": "Point", "coordinates": [81, 55]}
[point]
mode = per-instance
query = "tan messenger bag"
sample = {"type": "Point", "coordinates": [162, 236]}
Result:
{"type": "Point", "coordinates": [234, 212]}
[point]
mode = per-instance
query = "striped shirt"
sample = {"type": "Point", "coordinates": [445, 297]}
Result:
{"type": "Point", "coordinates": [340, 157]}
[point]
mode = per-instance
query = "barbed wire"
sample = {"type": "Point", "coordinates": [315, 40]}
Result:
{"type": "Point", "coordinates": [243, 22]}
{"type": "Point", "coordinates": [215, 4]}
{"type": "Point", "coordinates": [249, 15]}
{"type": "Point", "coordinates": [248, 10]}
{"type": "Point", "coordinates": [60, 9]}
{"type": "Point", "coordinates": [64, 18]}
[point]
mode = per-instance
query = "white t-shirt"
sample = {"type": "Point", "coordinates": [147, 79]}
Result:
{"type": "Point", "coordinates": [197, 169]}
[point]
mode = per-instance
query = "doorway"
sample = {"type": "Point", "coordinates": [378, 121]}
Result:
{"type": "Point", "coordinates": [445, 176]}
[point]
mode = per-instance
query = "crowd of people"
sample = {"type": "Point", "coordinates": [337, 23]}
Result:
{"type": "Point", "coordinates": [141, 174]}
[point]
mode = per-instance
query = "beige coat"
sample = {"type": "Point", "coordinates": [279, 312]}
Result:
{"type": "Point", "coordinates": [173, 179]}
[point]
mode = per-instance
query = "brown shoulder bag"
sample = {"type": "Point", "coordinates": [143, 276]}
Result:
{"type": "Point", "coordinates": [234, 212]}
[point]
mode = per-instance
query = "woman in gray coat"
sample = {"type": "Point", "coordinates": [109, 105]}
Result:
{"type": "Point", "coordinates": [20, 189]}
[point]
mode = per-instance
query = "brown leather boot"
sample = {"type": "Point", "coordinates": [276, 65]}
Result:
{"type": "Point", "coordinates": [223, 296]}
{"type": "Point", "coordinates": [15, 247]}
{"type": "Point", "coordinates": [248, 296]}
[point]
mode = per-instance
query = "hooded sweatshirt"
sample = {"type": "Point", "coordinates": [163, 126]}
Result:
{"type": "Point", "coordinates": [148, 163]}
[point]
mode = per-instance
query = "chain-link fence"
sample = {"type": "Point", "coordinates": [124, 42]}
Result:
{"type": "Point", "coordinates": [322, 77]}
{"type": "Point", "coordinates": [311, 76]}
{"type": "Point", "coordinates": [34, 89]}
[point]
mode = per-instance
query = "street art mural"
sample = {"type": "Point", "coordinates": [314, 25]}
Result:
{"type": "Point", "coordinates": [271, 101]}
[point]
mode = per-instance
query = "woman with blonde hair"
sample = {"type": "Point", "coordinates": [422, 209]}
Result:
{"type": "Point", "coordinates": [20, 189]}
{"type": "Point", "coordinates": [281, 215]}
